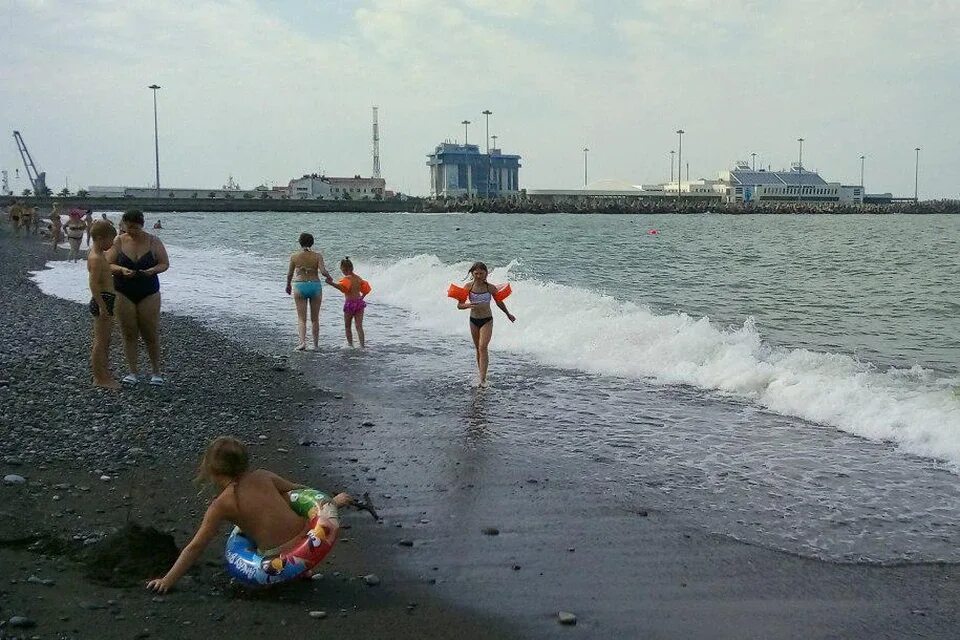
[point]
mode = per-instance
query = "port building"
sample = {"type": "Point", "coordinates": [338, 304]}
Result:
{"type": "Point", "coordinates": [458, 170]}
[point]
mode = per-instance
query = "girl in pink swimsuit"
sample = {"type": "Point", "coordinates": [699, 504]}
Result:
{"type": "Point", "coordinates": [354, 290]}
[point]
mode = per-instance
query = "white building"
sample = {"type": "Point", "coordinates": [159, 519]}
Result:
{"type": "Point", "coordinates": [743, 184]}
{"type": "Point", "coordinates": [320, 187]}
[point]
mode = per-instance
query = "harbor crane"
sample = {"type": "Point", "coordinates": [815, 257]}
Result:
{"type": "Point", "coordinates": [38, 179]}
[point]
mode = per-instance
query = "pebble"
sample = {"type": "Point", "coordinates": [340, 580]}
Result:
{"type": "Point", "coordinates": [490, 531]}
{"type": "Point", "coordinates": [366, 423]}
{"type": "Point", "coordinates": [371, 579]}
{"type": "Point", "coordinates": [21, 622]}
{"type": "Point", "coordinates": [405, 543]}
{"type": "Point", "coordinates": [319, 615]}
{"type": "Point", "coordinates": [317, 576]}
{"type": "Point", "coordinates": [41, 581]}
{"type": "Point", "coordinates": [105, 478]}
{"type": "Point", "coordinates": [13, 479]}
{"type": "Point", "coordinates": [565, 617]}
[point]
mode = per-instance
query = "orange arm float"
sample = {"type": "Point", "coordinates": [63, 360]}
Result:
{"type": "Point", "coordinates": [365, 287]}
{"type": "Point", "coordinates": [503, 293]}
{"type": "Point", "coordinates": [460, 294]}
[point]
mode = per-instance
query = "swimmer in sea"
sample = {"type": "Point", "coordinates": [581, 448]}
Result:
{"type": "Point", "coordinates": [306, 288]}
{"type": "Point", "coordinates": [481, 316]}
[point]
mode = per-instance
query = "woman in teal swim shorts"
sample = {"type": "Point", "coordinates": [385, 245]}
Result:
{"type": "Point", "coordinates": [303, 281]}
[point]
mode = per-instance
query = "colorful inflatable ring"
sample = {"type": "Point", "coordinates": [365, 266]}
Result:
{"type": "Point", "coordinates": [247, 565]}
{"type": "Point", "coordinates": [365, 287]}
{"type": "Point", "coordinates": [460, 294]}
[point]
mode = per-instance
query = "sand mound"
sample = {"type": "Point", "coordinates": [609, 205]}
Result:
{"type": "Point", "coordinates": [130, 556]}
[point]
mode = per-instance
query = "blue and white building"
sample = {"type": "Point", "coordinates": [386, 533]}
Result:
{"type": "Point", "coordinates": [461, 170]}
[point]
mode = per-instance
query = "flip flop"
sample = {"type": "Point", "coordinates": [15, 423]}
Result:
{"type": "Point", "coordinates": [156, 381]}
{"type": "Point", "coordinates": [130, 378]}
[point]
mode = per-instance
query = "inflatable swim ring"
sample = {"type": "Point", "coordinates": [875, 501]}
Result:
{"type": "Point", "coordinates": [246, 564]}
{"type": "Point", "coordinates": [365, 287]}
{"type": "Point", "coordinates": [460, 294]}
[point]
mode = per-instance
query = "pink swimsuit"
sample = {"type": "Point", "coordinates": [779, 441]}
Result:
{"type": "Point", "coordinates": [354, 306]}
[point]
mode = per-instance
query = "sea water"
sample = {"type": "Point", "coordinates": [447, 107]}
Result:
{"type": "Point", "coordinates": [790, 381]}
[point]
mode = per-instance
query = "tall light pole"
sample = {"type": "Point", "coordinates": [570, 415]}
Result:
{"type": "Point", "coordinates": [753, 162]}
{"type": "Point", "coordinates": [680, 133]}
{"type": "Point", "coordinates": [465, 123]}
{"type": "Point", "coordinates": [672, 153]}
{"type": "Point", "coordinates": [487, 113]}
{"type": "Point", "coordinates": [585, 151]}
{"type": "Point", "coordinates": [800, 171]}
{"type": "Point", "coordinates": [916, 178]}
{"type": "Point", "coordinates": [156, 137]}
{"type": "Point", "coordinates": [861, 171]}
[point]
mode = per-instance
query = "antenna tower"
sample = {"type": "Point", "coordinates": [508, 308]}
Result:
{"type": "Point", "coordinates": [376, 145]}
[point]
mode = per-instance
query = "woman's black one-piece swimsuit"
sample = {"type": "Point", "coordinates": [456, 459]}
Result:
{"type": "Point", "coordinates": [138, 286]}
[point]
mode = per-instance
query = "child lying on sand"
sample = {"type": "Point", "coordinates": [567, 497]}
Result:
{"type": "Point", "coordinates": [256, 501]}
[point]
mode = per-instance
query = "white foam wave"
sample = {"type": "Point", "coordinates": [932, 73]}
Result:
{"type": "Point", "coordinates": [581, 329]}
{"type": "Point", "coordinates": [576, 328]}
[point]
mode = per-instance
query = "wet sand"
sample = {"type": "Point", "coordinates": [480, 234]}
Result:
{"type": "Point", "coordinates": [442, 482]}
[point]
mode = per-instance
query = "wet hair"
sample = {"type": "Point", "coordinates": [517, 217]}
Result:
{"type": "Point", "coordinates": [102, 229]}
{"type": "Point", "coordinates": [477, 265]}
{"type": "Point", "coordinates": [346, 265]}
{"type": "Point", "coordinates": [225, 456]}
{"type": "Point", "coordinates": [134, 216]}
{"type": "Point", "coordinates": [306, 239]}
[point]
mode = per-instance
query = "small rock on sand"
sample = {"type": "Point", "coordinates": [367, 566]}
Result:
{"type": "Point", "coordinates": [21, 622]}
{"type": "Point", "coordinates": [371, 579]}
{"type": "Point", "coordinates": [405, 543]}
{"type": "Point", "coordinates": [13, 479]}
{"type": "Point", "coordinates": [565, 617]}
{"type": "Point", "coordinates": [319, 615]}
{"type": "Point", "coordinates": [490, 531]}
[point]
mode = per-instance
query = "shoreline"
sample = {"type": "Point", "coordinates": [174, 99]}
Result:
{"type": "Point", "coordinates": [440, 474]}
{"type": "Point", "coordinates": [63, 436]}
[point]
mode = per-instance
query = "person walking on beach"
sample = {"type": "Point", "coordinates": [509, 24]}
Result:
{"type": "Point", "coordinates": [478, 302]}
{"type": "Point", "coordinates": [101, 303]}
{"type": "Point", "coordinates": [254, 500]}
{"type": "Point", "coordinates": [354, 290]}
{"type": "Point", "coordinates": [76, 228]}
{"type": "Point", "coordinates": [88, 220]}
{"type": "Point", "coordinates": [137, 257]}
{"type": "Point", "coordinates": [307, 265]}
{"type": "Point", "coordinates": [25, 221]}
{"type": "Point", "coordinates": [56, 226]}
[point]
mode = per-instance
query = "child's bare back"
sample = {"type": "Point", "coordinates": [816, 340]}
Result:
{"type": "Point", "coordinates": [258, 503]}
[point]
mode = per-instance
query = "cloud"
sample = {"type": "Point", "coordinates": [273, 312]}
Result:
{"type": "Point", "coordinates": [267, 91]}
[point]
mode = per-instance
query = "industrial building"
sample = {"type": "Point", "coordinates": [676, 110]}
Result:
{"type": "Point", "coordinates": [461, 170]}
{"type": "Point", "coordinates": [320, 187]}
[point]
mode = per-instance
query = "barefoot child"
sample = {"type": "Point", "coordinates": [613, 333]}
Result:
{"type": "Point", "coordinates": [256, 501]}
{"type": "Point", "coordinates": [354, 290]}
{"type": "Point", "coordinates": [101, 304]}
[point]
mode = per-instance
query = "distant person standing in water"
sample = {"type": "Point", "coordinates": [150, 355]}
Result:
{"type": "Point", "coordinates": [137, 257]}
{"type": "Point", "coordinates": [478, 302]}
{"type": "Point", "coordinates": [303, 281]}
{"type": "Point", "coordinates": [56, 226]}
{"type": "Point", "coordinates": [88, 220]}
{"type": "Point", "coordinates": [157, 225]}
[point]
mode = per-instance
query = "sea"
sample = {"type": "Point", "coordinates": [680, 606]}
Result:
{"type": "Point", "coordinates": [789, 381]}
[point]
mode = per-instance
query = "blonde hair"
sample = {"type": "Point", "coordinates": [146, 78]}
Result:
{"type": "Point", "coordinates": [225, 456]}
{"type": "Point", "coordinates": [102, 229]}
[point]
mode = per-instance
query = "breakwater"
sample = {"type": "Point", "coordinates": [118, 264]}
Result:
{"type": "Point", "coordinates": [522, 204]}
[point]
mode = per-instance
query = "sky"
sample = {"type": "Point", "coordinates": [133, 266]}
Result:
{"type": "Point", "coordinates": [269, 90]}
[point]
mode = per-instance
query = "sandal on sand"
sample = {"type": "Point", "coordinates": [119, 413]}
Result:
{"type": "Point", "coordinates": [156, 380]}
{"type": "Point", "coordinates": [130, 378]}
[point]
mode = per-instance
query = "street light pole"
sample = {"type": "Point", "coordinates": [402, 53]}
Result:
{"type": "Point", "coordinates": [585, 151]}
{"type": "Point", "coordinates": [916, 178]}
{"type": "Point", "coordinates": [156, 137]}
{"type": "Point", "coordinates": [800, 172]}
{"type": "Point", "coordinates": [487, 113]}
{"type": "Point", "coordinates": [753, 161]}
{"type": "Point", "coordinates": [672, 153]}
{"type": "Point", "coordinates": [861, 172]}
{"type": "Point", "coordinates": [680, 133]}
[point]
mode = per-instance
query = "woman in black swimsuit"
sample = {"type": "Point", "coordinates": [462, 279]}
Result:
{"type": "Point", "coordinates": [136, 258]}
{"type": "Point", "coordinates": [481, 316]}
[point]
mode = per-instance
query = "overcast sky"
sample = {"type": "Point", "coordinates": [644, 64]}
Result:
{"type": "Point", "coordinates": [270, 90]}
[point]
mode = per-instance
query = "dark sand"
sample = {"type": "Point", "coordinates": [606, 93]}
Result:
{"type": "Point", "coordinates": [438, 480]}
